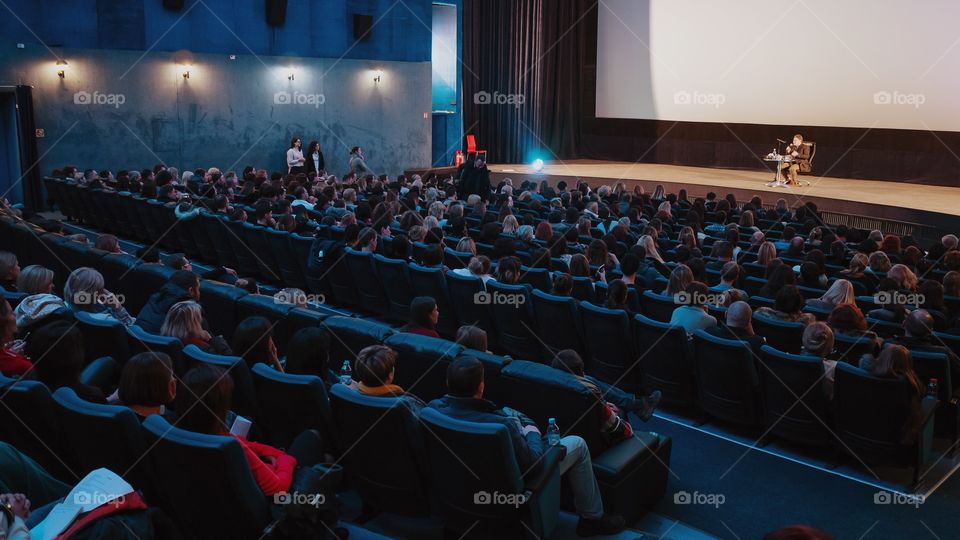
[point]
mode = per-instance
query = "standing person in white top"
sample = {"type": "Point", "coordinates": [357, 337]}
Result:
{"type": "Point", "coordinates": [295, 158]}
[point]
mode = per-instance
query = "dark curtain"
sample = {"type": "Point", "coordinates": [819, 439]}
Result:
{"type": "Point", "coordinates": [29, 161]}
{"type": "Point", "coordinates": [529, 50]}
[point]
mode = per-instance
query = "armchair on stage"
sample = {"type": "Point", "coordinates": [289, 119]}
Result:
{"type": "Point", "coordinates": [779, 180]}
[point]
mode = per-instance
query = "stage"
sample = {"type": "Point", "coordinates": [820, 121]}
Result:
{"type": "Point", "coordinates": [930, 209]}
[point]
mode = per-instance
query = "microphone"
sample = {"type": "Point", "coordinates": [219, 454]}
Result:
{"type": "Point", "coordinates": [781, 141]}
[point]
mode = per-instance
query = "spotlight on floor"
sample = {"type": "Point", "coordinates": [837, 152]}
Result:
{"type": "Point", "coordinates": [537, 165]}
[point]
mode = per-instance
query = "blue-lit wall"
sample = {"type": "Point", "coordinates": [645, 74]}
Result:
{"type": "Point", "coordinates": [227, 114]}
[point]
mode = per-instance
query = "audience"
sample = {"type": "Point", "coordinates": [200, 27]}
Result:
{"type": "Point", "coordinates": [787, 306]}
{"type": "Point", "coordinates": [616, 402]}
{"type": "Point", "coordinates": [12, 362]}
{"type": "Point", "coordinates": [9, 271]}
{"type": "Point", "coordinates": [253, 341]}
{"type": "Point", "coordinates": [424, 316]}
{"type": "Point", "coordinates": [147, 384]}
{"type": "Point", "coordinates": [692, 314]}
{"type": "Point", "coordinates": [35, 279]}
{"type": "Point", "coordinates": [57, 352]}
{"type": "Point", "coordinates": [472, 337]}
{"type": "Point", "coordinates": [739, 326]}
{"type": "Point", "coordinates": [183, 285]}
{"type": "Point", "coordinates": [308, 353]}
{"type": "Point", "coordinates": [375, 368]}
{"type": "Point", "coordinates": [85, 292]}
{"type": "Point", "coordinates": [895, 362]}
{"type": "Point", "coordinates": [184, 321]}
{"type": "Point", "coordinates": [841, 292]}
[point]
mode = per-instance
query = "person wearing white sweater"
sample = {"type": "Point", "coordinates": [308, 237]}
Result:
{"type": "Point", "coordinates": [295, 158]}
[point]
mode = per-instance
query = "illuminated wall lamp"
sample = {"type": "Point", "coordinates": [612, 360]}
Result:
{"type": "Point", "coordinates": [186, 71]}
{"type": "Point", "coordinates": [61, 68]}
{"type": "Point", "coordinates": [377, 75]}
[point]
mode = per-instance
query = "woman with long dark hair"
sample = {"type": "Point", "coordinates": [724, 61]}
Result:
{"type": "Point", "coordinates": [314, 159]}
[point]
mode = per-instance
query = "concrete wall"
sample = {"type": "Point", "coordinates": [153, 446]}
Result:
{"type": "Point", "coordinates": [228, 114]}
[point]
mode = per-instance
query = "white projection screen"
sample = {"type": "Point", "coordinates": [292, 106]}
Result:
{"type": "Point", "coordinates": [844, 63]}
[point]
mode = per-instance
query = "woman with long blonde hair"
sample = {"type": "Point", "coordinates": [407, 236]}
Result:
{"type": "Point", "coordinates": [651, 246]}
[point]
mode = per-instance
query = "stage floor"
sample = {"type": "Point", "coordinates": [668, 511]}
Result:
{"type": "Point", "coordinates": [934, 206]}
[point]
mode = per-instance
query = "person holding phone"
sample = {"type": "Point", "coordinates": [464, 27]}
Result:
{"type": "Point", "coordinates": [801, 159]}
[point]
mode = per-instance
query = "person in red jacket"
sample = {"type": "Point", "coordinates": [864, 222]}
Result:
{"type": "Point", "coordinates": [12, 362]}
{"type": "Point", "coordinates": [203, 407]}
{"type": "Point", "coordinates": [423, 317]}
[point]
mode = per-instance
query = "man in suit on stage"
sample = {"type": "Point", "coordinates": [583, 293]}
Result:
{"type": "Point", "coordinates": [801, 159]}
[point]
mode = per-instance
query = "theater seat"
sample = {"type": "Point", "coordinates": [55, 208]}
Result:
{"type": "Point", "coordinates": [469, 461]}
{"type": "Point", "coordinates": [393, 481]}
{"type": "Point", "coordinates": [106, 436]}
{"type": "Point", "coordinates": [216, 496]}
{"type": "Point", "coordinates": [422, 363]}
{"type": "Point", "coordinates": [368, 285]}
{"type": "Point", "coordinates": [399, 293]}
{"type": "Point", "coordinates": [786, 336]}
{"type": "Point", "coordinates": [727, 379]}
{"type": "Point", "coordinates": [139, 340]}
{"type": "Point", "coordinates": [275, 309]}
{"type": "Point", "coordinates": [610, 355]}
{"type": "Point", "coordinates": [142, 282]}
{"type": "Point", "coordinates": [666, 361]}
{"type": "Point", "coordinates": [103, 338]}
{"type": "Point", "coordinates": [244, 396]}
{"type": "Point", "coordinates": [870, 413]}
{"type": "Point", "coordinates": [291, 404]}
{"type": "Point", "coordinates": [431, 282]}
{"type": "Point", "coordinates": [290, 270]}
{"type": "Point", "coordinates": [29, 422]}
{"type": "Point", "coordinates": [557, 322]}
{"type": "Point", "coordinates": [220, 307]}
{"type": "Point", "coordinates": [465, 293]}
{"type": "Point", "coordinates": [510, 307]}
{"type": "Point", "coordinates": [348, 336]}
{"type": "Point", "coordinates": [936, 365]}
{"type": "Point", "coordinates": [795, 403]}
{"type": "Point", "coordinates": [656, 306]}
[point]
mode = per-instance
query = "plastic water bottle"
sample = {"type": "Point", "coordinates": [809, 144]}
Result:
{"type": "Point", "coordinates": [346, 374]}
{"type": "Point", "coordinates": [553, 432]}
{"type": "Point", "coordinates": [932, 387]}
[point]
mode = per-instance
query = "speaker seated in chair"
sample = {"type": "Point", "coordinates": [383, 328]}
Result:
{"type": "Point", "coordinates": [802, 153]}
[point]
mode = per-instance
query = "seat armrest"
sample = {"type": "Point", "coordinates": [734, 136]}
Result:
{"type": "Point", "coordinates": [549, 464]}
{"type": "Point", "coordinates": [101, 373]}
{"type": "Point", "coordinates": [928, 407]}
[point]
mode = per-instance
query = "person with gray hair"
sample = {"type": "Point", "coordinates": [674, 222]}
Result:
{"type": "Point", "coordinates": [950, 241]}
{"type": "Point", "coordinates": [85, 292]}
{"type": "Point", "coordinates": [738, 325]}
{"type": "Point", "coordinates": [35, 279]}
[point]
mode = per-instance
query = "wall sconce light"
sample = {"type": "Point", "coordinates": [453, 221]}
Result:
{"type": "Point", "coordinates": [61, 68]}
{"type": "Point", "coordinates": [186, 71]}
{"type": "Point", "coordinates": [291, 74]}
{"type": "Point", "coordinates": [377, 75]}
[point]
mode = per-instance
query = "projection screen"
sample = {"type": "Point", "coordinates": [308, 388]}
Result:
{"type": "Point", "coordinates": [849, 63]}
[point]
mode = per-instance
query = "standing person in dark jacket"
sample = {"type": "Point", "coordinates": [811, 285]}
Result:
{"type": "Point", "coordinates": [465, 402]}
{"type": "Point", "coordinates": [183, 285]}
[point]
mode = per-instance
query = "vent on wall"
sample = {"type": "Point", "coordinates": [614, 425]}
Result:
{"type": "Point", "coordinates": [362, 26]}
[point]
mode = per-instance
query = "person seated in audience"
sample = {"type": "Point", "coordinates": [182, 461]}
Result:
{"type": "Point", "coordinates": [84, 291]}
{"type": "Point", "coordinates": [184, 321]}
{"type": "Point", "coordinates": [951, 285]}
{"type": "Point", "coordinates": [375, 368]}
{"type": "Point", "coordinates": [508, 271]}
{"type": "Point", "coordinates": [896, 362]}
{"type": "Point", "coordinates": [467, 245]}
{"type": "Point", "coordinates": [12, 361]}
{"type": "Point", "coordinates": [918, 336]}
{"type": "Point", "coordinates": [308, 353]}
{"type": "Point", "coordinates": [780, 277]}
{"type": "Point", "coordinates": [202, 406]}
{"type": "Point", "coordinates": [617, 402]}
{"type": "Point", "coordinates": [787, 306]}
{"type": "Point", "coordinates": [464, 401]}
{"type": "Point", "coordinates": [35, 279]}
{"type": "Point", "coordinates": [729, 277]}
{"type": "Point", "coordinates": [182, 285]}
{"type": "Point", "coordinates": [366, 240]}
{"type": "Point", "coordinates": [848, 320]}
{"type": "Point", "coordinates": [738, 325]}
{"type": "Point", "coordinates": [478, 267]}
{"type": "Point", "coordinates": [692, 314]}
{"type": "Point", "coordinates": [841, 292]}
{"type": "Point", "coordinates": [57, 352]}
{"type": "Point", "coordinates": [650, 246]}
{"type": "Point", "coordinates": [680, 278]}
{"type": "Point", "coordinates": [723, 252]}
{"type": "Point", "coordinates": [147, 384]}
{"type": "Point", "coordinates": [905, 279]}
{"type": "Point", "coordinates": [879, 263]}
{"type": "Point", "coordinates": [424, 315]}
{"type": "Point", "coordinates": [810, 275]}
{"type": "Point", "coordinates": [766, 252]}
{"type": "Point", "coordinates": [562, 284]}
{"type": "Point", "coordinates": [617, 295]}
{"type": "Point", "coordinates": [108, 243]}
{"type": "Point", "coordinates": [253, 341]}
{"type": "Point", "coordinates": [818, 341]}
{"type": "Point", "coordinates": [247, 284]}
{"type": "Point", "coordinates": [9, 271]}
{"type": "Point", "coordinates": [932, 300]}
{"type": "Point", "coordinates": [472, 337]}
{"type": "Point", "coordinates": [648, 271]}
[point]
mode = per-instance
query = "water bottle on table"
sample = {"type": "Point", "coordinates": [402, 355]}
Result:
{"type": "Point", "coordinates": [553, 432]}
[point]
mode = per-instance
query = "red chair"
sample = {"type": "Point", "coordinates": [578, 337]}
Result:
{"type": "Point", "coordinates": [472, 147]}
